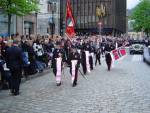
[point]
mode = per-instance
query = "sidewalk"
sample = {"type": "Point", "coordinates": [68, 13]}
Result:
{"type": "Point", "coordinates": [47, 70]}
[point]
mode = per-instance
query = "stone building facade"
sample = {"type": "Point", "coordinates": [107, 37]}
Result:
{"type": "Point", "coordinates": [84, 11]}
{"type": "Point", "coordinates": [25, 25]}
{"type": "Point", "coordinates": [48, 17]}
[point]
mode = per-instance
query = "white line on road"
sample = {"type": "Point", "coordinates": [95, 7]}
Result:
{"type": "Point", "coordinates": [137, 58]}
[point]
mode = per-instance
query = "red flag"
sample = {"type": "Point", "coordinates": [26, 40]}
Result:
{"type": "Point", "coordinates": [115, 54]}
{"type": "Point", "coordinates": [118, 53]}
{"type": "Point", "coordinates": [123, 51]}
{"type": "Point", "coordinates": [70, 23]}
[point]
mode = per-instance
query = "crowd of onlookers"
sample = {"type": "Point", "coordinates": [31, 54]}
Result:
{"type": "Point", "coordinates": [36, 55]}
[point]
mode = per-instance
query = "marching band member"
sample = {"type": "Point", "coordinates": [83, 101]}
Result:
{"type": "Point", "coordinates": [91, 58]}
{"type": "Point", "coordinates": [74, 65]}
{"type": "Point", "coordinates": [85, 58]}
{"type": "Point", "coordinates": [108, 57]}
{"type": "Point", "coordinates": [98, 56]}
{"type": "Point", "coordinates": [57, 63]}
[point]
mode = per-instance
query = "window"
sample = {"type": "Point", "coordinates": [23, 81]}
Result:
{"type": "Point", "coordinates": [52, 7]}
{"type": "Point", "coordinates": [86, 9]}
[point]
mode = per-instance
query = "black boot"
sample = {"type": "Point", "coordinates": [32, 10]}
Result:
{"type": "Point", "coordinates": [58, 84]}
{"type": "Point", "coordinates": [74, 84]}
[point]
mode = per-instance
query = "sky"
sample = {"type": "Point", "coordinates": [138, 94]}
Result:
{"type": "Point", "coordinates": [132, 3]}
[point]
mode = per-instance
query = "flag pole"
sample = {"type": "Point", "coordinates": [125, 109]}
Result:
{"type": "Point", "coordinates": [68, 37]}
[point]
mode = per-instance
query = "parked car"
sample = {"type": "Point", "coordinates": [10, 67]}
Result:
{"type": "Point", "coordinates": [136, 47]}
{"type": "Point", "coordinates": [146, 55]}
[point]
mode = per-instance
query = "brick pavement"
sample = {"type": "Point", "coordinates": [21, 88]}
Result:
{"type": "Point", "coordinates": [123, 90]}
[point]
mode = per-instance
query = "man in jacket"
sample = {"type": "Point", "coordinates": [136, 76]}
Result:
{"type": "Point", "coordinates": [14, 63]}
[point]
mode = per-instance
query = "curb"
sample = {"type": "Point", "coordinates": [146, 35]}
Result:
{"type": "Point", "coordinates": [30, 77]}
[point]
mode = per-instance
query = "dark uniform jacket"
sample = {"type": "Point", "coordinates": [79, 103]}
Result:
{"type": "Point", "coordinates": [75, 56]}
{"type": "Point", "coordinates": [92, 49]}
{"type": "Point", "coordinates": [98, 53]}
{"type": "Point", "coordinates": [56, 54]}
{"type": "Point", "coordinates": [14, 57]}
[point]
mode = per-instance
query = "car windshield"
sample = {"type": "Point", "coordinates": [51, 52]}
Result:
{"type": "Point", "coordinates": [137, 42]}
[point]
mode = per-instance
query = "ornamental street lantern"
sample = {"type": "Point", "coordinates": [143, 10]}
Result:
{"type": "Point", "coordinates": [99, 23]}
{"type": "Point", "coordinates": [100, 12]}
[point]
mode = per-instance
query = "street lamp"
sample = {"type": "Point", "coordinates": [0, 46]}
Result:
{"type": "Point", "coordinates": [100, 27]}
{"type": "Point", "coordinates": [51, 19]}
{"type": "Point", "coordinates": [36, 14]}
{"type": "Point", "coordinates": [101, 13]}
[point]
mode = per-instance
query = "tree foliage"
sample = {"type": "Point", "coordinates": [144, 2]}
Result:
{"type": "Point", "coordinates": [141, 16]}
{"type": "Point", "coordinates": [18, 7]}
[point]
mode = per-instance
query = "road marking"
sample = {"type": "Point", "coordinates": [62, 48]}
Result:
{"type": "Point", "coordinates": [137, 58]}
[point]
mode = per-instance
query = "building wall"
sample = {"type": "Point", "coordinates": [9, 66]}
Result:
{"type": "Point", "coordinates": [44, 17]}
{"type": "Point", "coordinates": [120, 9]}
{"type": "Point", "coordinates": [26, 25]}
{"type": "Point", "coordinates": [4, 23]}
{"type": "Point", "coordinates": [30, 24]}
{"type": "Point", "coordinates": [130, 25]}
{"type": "Point", "coordinates": [33, 24]}
{"type": "Point", "coordinates": [84, 12]}
{"type": "Point", "coordinates": [17, 24]}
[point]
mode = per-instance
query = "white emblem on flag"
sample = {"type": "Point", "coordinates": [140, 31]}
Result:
{"type": "Point", "coordinates": [69, 22]}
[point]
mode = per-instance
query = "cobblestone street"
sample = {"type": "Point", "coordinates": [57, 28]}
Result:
{"type": "Point", "coordinates": [125, 89]}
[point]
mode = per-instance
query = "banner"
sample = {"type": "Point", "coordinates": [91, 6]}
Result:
{"type": "Point", "coordinates": [70, 23]}
{"type": "Point", "coordinates": [115, 54]}
{"type": "Point", "coordinates": [118, 53]}
{"type": "Point", "coordinates": [123, 51]}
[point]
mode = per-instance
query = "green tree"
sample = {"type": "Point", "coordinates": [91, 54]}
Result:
{"type": "Point", "coordinates": [17, 7]}
{"type": "Point", "coordinates": [141, 15]}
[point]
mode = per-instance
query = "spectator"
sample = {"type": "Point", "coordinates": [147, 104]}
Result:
{"type": "Point", "coordinates": [14, 63]}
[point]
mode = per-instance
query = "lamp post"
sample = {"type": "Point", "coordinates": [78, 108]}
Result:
{"type": "Point", "coordinates": [100, 12]}
{"type": "Point", "coordinates": [51, 19]}
{"type": "Point", "coordinates": [100, 27]}
{"type": "Point", "coordinates": [36, 18]}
